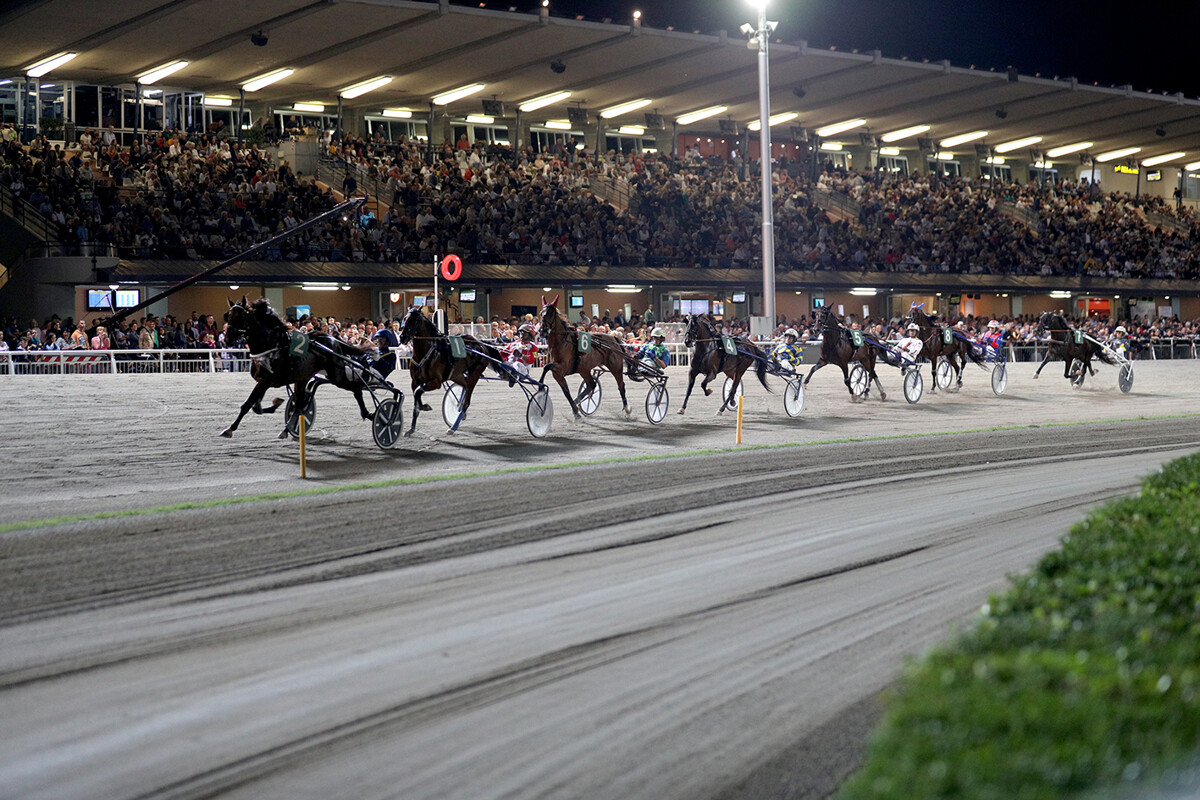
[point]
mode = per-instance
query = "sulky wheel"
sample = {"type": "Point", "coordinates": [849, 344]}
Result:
{"type": "Point", "coordinates": [943, 376]}
{"type": "Point", "coordinates": [292, 419]}
{"type": "Point", "coordinates": [589, 403]}
{"type": "Point", "coordinates": [793, 397]}
{"type": "Point", "coordinates": [1000, 378]}
{"type": "Point", "coordinates": [1125, 377]}
{"type": "Point", "coordinates": [387, 426]}
{"type": "Point", "coordinates": [656, 403]}
{"type": "Point", "coordinates": [859, 381]}
{"type": "Point", "coordinates": [725, 389]}
{"type": "Point", "coordinates": [452, 412]}
{"type": "Point", "coordinates": [914, 385]}
{"type": "Point", "coordinates": [1076, 372]}
{"type": "Point", "coordinates": [539, 413]}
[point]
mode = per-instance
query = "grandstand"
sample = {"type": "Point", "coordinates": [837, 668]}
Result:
{"type": "Point", "coordinates": [974, 191]}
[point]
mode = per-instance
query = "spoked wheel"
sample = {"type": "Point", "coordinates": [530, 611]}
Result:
{"type": "Point", "coordinates": [914, 385]}
{"type": "Point", "coordinates": [1125, 377]}
{"type": "Point", "coordinates": [793, 397]}
{"type": "Point", "coordinates": [292, 419]}
{"type": "Point", "coordinates": [589, 403]}
{"type": "Point", "coordinates": [859, 381]}
{"type": "Point", "coordinates": [943, 376]}
{"type": "Point", "coordinates": [1000, 378]}
{"type": "Point", "coordinates": [725, 389]}
{"type": "Point", "coordinates": [657, 401]}
{"type": "Point", "coordinates": [388, 424]}
{"type": "Point", "coordinates": [1076, 372]}
{"type": "Point", "coordinates": [539, 413]}
{"type": "Point", "coordinates": [452, 411]}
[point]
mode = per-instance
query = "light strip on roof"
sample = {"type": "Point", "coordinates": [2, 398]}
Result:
{"type": "Point", "coordinates": [1192, 167]}
{"type": "Point", "coordinates": [1112, 154]}
{"type": "Point", "coordinates": [54, 62]}
{"type": "Point", "coordinates": [963, 138]}
{"type": "Point", "coordinates": [543, 101]}
{"type": "Point", "coordinates": [155, 75]}
{"type": "Point", "coordinates": [904, 133]}
{"type": "Point", "coordinates": [366, 86]}
{"type": "Point", "coordinates": [314, 107]}
{"type": "Point", "coordinates": [267, 80]}
{"type": "Point", "coordinates": [558, 124]}
{"type": "Point", "coordinates": [841, 127]}
{"type": "Point", "coordinates": [625, 108]}
{"type": "Point", "coordinates": [480, 119]}
{"type": "Point", "coordinates": [1016, 144]}
{"type": "Point", "coordinates": [945, 156]}
{"type": "Point", "coordinates": [889, 151]}
{"type": "Point", "coordinates": [773, 120]}
{"type": "Point", "coordinates": [446, 98]}
{"type": "Point", "coordinates": [704, 113]}
{"type": "Point", "coordinates": [397, 113]}
{"type": "Point", "coordinates": [633, 130]}
{"type": "Point", "coordinates": [1068, 148]}
{"type": "Point", "coordinates": [995, 160]}
{"type": "Point", "coordinates": [832, 146]}
{"type": "Point", "coordinates": [223, 102]}
{"type": "Point", "coordinates": [1150, 162]}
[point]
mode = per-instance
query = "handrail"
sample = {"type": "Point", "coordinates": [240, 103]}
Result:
{"type": "Point", "coordinates": [27, 216]}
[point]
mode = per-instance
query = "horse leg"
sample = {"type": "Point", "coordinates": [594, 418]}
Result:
{"type": "Point", "coordinates": [620, 379]}
{"type": "Point", "coordinates": [820, 363]}
{"type": "Point", "coordinates": [418, 390]}
{"type": "Point", "coordinates": [562, 382]}
{"type": "Point", "coordinates": [362, 406]}
{"type": "Point", "coordinates": [1045, 361]}
{"type": "Point", "coordinates": [875, 377]}
{"type": "Point", "coordinates": [691, 383]}
{"type": "Point", "coordinates": [298, 402]}
{"type": "Point", "coordinates": [846, 379]}
{"type": "Point", "coordinates": [276, 403]}
{"type": "Point", "coordinates": [730, 402]}
{"type": "Point", "coordinates": [256, 396]}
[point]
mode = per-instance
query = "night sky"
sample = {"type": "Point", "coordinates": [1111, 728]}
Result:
{"type": "Point", "coordinates": [1152, 45]}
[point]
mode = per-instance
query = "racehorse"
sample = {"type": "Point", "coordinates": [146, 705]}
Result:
{"type": "Point", "coordinates": [565, 357]}
{"type": "Point", "coordinates": [432, 364]}
{"type": "Point", "coordinates": [274, 365]}
{"type": "Point", "coordinates": [957, 353]}
{"type": "Point", "coordinates": [709, 357]}
{"type": "Point", "coordinates": [1062, 345]}
{"type": "Point", "coordinates": [837, 347]}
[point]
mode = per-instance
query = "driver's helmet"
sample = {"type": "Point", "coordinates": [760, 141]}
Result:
{"type": "Point", "coordinates": [792, 333]}
{"type": "Point", "coordinates": [912, 326]}
{"type": "Point", "coordinates": [526, 330]}
{"type": "Point", "coordinates": [658, 333]}
{"type": "Point", "coordinates": [1120, 329]}
{"type": "Point", "coordinates": [994, 324]}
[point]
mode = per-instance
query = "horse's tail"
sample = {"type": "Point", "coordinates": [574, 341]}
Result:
{"type": "Point", "coordinates": [495, 358]}
{"type": "Point", "coordinates": [632, 371]}
{"type": "Point", "coordinates": [760, 366]}
{"type": "Point", "coordinates": [1106, 356]}
{"type": "Point", "coordinates": [975, 352]}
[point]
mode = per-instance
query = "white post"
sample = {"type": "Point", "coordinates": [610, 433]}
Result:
{"type": "Point", "coordinates": [435, 285]}
{"type": "Point", "coordinates": [764, 116]}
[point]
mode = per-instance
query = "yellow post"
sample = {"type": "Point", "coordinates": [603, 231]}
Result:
{"type": "Point", "coordinates": [303, 460]}
{"type": "Point", "coordinates": [739, 432]}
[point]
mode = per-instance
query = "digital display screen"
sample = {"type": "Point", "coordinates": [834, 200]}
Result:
{"type": "Point", "coordinates": [576, 301]}
{"type": "Point", "coordinates": [419, 300]}
{"type": "Point", "coordinates": [693, 306]}
{"type": "Point", "coordinates": [739, 297]}
{"type": "Point", "coordinates": [100, 299]}
{"type": "Point", "coordinates": [818, 302]}
{"type": "Point", "coordinates": [955, 299]}
{"type": "Point", "coordinates": [718, 308]}
{"type": "Point", "coordinates": [467, 295]}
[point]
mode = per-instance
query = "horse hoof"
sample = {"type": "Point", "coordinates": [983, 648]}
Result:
{"type": "Point", "coordinates": [227, 433]}
{"type": "Point", "coordinates": [1035, 376]}
{"type": "Point", "coordinates": [707, 391]}
{"type": "Point", "coordinates": [680, 412]}
{"type": "Point", "coordinates": [426, 407]}
{"type": "Point", "coordinates": [882, 397]}
{"type": "Point", "coordinates": [283, 434]}
{"type": "Point", "coordinates": [409, 432]}
{"type": "Point", "coordinates": [277, 402]}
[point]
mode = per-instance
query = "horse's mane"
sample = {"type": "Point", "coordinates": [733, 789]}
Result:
{"type": "Point", "coordinates": [261, 310]}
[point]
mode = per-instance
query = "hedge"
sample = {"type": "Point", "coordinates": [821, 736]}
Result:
{"type": "Point", "coordinates": [1084, 674]}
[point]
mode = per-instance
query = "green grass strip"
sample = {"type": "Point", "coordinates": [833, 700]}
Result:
{"type": "Point", "coordinates": [392, 482]}
{"type": "Point", "coordinates": [1083, 676]}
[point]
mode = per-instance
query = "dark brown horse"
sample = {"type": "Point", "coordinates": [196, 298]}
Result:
{"type": "Point", "coordinates": [432, 364]}
{"type": "Point", "coordinates": [274, 365]}
{"type": "Point", "coordinates": [837, 347]}
{"type": "Point", "coordinates": [1062, 344]}
{"type": "Point", "coordinates": [957, 352]}
{"type": "Point", "coordinates": [709, 357]}
{"type": "Point", "coordinates": [565, 358]}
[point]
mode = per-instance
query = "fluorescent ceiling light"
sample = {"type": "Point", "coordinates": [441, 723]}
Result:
{"type": "Point", "coordinates": [889, 151]}
{"type": "Point", "coordinates": [397, 113]}
{"type": "Point", "coordinates": [1192, 167]}
{"type": "Point", "coordinates": [1043, 164]}
{"type": "Point", "coordinates": [704, 113]}
{"type": "Point", "coordinates": [1060, 295]}
{"type": "Point", "coordinates": [863, 291]}
{"type": "Point", "coordinates": [834, 146]}
{"type": "Point", "coordinates": [151, 92]}
{"type": "Point", "coordinates": [621, 288]}
{"type": "Point", "coordinates": [904, 133]}
{"type": "Point", "coordinates": [945, 156]}
{"type": "Point", "coordinates": [366, 86]}
{"type": "Point", "coordinates": [558, 124]}
{"type": "Point", "coordinates": [1111, 154]}
{"type": "Point", "coordinates": [635, 130]}
{"type": "Point", "coordinates": [319, 287]}
{"type": "Point", "coordinates": [625, 108]}
{"type": "Point", "coordinates": [155, 75]}
{"type": "Point", "coordinates": [54, 62]}
{"type": "Point", "coordinates": [480, 119]}
{"type": "Point", "coordinates": [841, 127]}
{"type": "Point", "coordinates": [1068, 148]}
{"type": "Point", "coordinates": [446, 98]}
{"type": "Point", "coordinates": [995, 160]}
{"type": "Point", "coordinates": [1016, 144]}
{"type": "Point", "coordinates": [773, 120]}
{"type": "Point", "coordinates": [224, 102]}
{"type": "Point", "coordinates": [315, 107]}
{"type": "Point", "coordinates": [955, 141]}
{"type": "Point", "coordinates": [267, 80]}
{"type": "Point", "coordinates": [543, 101]}
{"type": "Point", "coordinates": [1150, 162]}
{"type": "Point", "coordinates": [5, 81]}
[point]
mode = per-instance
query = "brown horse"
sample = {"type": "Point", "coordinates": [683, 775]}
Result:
{"type": "Point", "coordinates": [958, 352]}
{"type": "Point", "coordinates": [565, 357]}
{"type": "Point", "coordinates": [433, 365]}
{"type": "Point", "coordinates": [837, 347]}
{"type": "Point", "coordinates": [709, 357]}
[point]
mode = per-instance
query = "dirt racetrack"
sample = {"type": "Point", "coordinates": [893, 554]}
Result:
{"type": "Point", "coordinates": [86, 444]}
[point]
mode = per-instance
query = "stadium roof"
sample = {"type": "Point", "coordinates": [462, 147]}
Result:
{"type": "Point", "coordinates": [428, 48]}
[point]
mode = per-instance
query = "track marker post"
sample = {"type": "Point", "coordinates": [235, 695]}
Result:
{"type": "Point", "coordinates": [303, 459]}
{"type": "Point", "coordinates": [739, 427]}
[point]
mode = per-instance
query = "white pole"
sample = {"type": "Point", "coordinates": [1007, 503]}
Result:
{"type": "Point", "coordinates": [764, 116]}
{"type": "Point", "coordinates": [435, 286]}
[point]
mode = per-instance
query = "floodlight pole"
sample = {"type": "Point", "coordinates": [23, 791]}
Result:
{"type": "Point", "coordinates": [762, 33]}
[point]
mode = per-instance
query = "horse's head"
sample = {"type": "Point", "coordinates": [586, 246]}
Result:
{"type": "Point", "coordinates": [692, 332]}
{"type": "Point", "coordinates": [550, 317]}
{"type": "Point", "coordinates": [917, 314]}
{"type": "Point", "coordinates": [414, 325]}
{"type": "Point", "coordinates": [238, 316]}
{"type": "Point", "coordinates": [1050, 323]}
{"type": "Point", "coordinates": [823, 318]}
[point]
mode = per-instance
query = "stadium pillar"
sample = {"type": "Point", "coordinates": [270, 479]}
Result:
{"type": "Point", "coordinates": [761, 34]}
{"type": "Point", "coordinates": [137, 120]}
{"type": "Point", "coordinates": [674, 139]}
{"type": "Point", "coordinates": [237, 123]}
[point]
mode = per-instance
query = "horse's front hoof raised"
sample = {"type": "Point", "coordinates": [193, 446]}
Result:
{"type": "Point", "coordinates": [426, 407]}
{"type": "Point", "coordinates": [1035, 376]}
{"type": "Point", "coordinates": [277, 402]}
{"type": "Point", "coordinates": [707, 391]}
{"type": "Point", "coordinates": [681, 411]}
{"type": "Point", "coordinates": [227, 433]}
{"type": "Point", "coordinates": [628, 411]}
{"type": "Point", "coordinates": [882, 397]}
